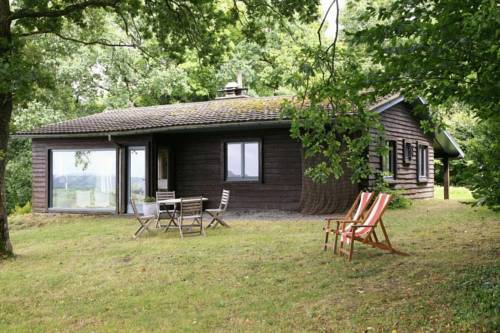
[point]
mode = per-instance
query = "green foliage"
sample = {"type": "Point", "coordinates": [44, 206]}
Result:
{"type": "Point", "coordinates": [398, 198]}
{"type": "Point", "coordinates": [18, 174]}
{"type": "Point", "coordinates": [331, 117]}
{"type": "Point", "coordinates": [479, 140]}
{"type": "Point", "coordinates": [21, 210]}
{"type": "Point", "coordinates": [443, 50]}
{"type": "Point", "coordinates": [482, 172]}
{"type": "Point", "coordinates": [447, 52]}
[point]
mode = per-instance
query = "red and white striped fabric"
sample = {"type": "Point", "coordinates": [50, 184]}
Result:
{"type": "Point", "coordinates": [364, 200]}
{"type": "Point", "coordinates": [376, 210]}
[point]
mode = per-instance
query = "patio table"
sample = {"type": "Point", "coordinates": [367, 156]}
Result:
{"type": "Point", "coordinates": [175, 202]}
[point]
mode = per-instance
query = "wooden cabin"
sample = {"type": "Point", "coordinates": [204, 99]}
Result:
{"type": "Point", "coordinates": [97, 163]}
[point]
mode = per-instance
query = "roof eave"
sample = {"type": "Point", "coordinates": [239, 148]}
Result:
{"type": "Point", "coordinates": [261, 124]}
{"type": "Point", "coordinates": [448, 145]}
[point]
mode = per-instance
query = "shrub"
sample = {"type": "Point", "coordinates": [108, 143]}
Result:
{"type": "Point", "coordinates": [398, 198]}
{"type": "Point", "coordinates": [21, 210]}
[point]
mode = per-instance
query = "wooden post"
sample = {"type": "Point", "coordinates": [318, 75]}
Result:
{"type": "Point", "coordinates": [446, 178]}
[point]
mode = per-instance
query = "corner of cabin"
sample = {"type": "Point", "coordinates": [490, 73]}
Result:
{"type": "Point", "coordinates": [411, 172]}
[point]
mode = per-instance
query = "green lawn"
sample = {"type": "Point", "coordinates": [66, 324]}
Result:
{"type": "Point", "coordinates": [456, 193]}
{"type": "Point", "coordinates": [88, 274]}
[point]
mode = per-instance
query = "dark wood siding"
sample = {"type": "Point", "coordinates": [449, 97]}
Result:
{"type": "Point", "coordinates": [199, 165]}
{"type": "Point", "coordinates": [400, 125]}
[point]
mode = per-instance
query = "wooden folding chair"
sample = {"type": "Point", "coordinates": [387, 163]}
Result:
{"type": "Point", "coordinates": [191, 209]}
{"type": "Point", "coordinates": [217, 214]}
{"type": "Point", "coordinates": [165, 211]}
{"type": "Point", "coordinates": [354, 214]}
{"type": "Point", "coordinates": [365, 231]}
{"type": "Point", "coordinates": [144, 220]}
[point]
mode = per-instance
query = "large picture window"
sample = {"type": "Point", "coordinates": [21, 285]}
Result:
{"type": "Point", "coordinates": [423, 162]}
{"type": "Point", "coordinates": [83, 179]}
{"type": "Point", "coordinates": [242, 161]}
{"type": "Point", "coordinates": [389, 160]}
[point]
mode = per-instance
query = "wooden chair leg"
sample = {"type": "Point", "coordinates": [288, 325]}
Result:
{"type": "Point", "coordinates": [352, 245]}
{"type": "Point", "coordinates": [327, 232]}
{"type": "Point", "coordinates": [138, 232]}
{"type": "Point", "coordinates": [202, 230]}
{"type": "Point", "coordinates": [212, 215]}
{"type": "Point", "coordinates": [336, 238]}
{"type": "Point", "coordinates": [222, 222]}
{"type": "Point", "coordinates": [180, 229]}
{"type": "Point", "coordinates": [385, 233]}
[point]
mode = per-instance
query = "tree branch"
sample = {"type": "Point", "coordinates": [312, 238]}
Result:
{"type": "Point", "coordinates": [93, 42]}
{"type": "Point", "coordinates": [30, 13]}
{"type": "Point", "coordinates": [324, 20]}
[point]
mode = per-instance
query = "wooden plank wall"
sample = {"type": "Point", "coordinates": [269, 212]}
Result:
{"type": "Point", "coordinates": [199, 163]}
{"type": "Point", "coordinates": [399, 124]}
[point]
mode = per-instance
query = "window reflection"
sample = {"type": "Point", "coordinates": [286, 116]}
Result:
{"type": "Point", "coordinates": [136, 176]}
{"type": "Point", "coordinates": [252, 160]}
{"type": "Point", "coordinates": [83, 179]}
{"type": "Point", "coordinates": [242, 161]}
{"type": "Point", "coordinates": [234, 160]}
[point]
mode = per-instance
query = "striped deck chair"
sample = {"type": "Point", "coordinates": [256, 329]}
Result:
{"type": "Point", "coordinates": [365, 231]}
{"type": "Point", "coordinates": [354, 214]}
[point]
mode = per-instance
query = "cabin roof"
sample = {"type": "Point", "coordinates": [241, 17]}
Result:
{"type": "Point", "coordinates": [180, 115]}
{"type": "Point", "coordinates": [218, 111]}
{"type": "Point", "coordinates": [215, 114]}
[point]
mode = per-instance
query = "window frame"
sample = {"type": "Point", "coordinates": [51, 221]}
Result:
{"type": "Point", "coordinates": [421, 177]}
{"type": "Point", "coordinates": [241, 179]}
{"type": "Point", "coordinates": [394, 163]}
{"type": "Point", "coordinates": [50, 180]}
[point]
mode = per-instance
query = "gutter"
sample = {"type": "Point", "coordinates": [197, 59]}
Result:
{"type": "Point", "coordinates": [167, 129]}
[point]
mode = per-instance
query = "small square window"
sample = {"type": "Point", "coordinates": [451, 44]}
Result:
{"type": "Point", "coordinates": [242, 161]}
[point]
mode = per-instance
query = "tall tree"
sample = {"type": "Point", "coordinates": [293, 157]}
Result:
{"type": "Point", "coordinates": [176, 25]}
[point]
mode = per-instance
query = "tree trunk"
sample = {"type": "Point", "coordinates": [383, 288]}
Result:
{"type": "Point", "coordinates": [5, 115]}
{"type": "Point", "coordinates": [334, 196]}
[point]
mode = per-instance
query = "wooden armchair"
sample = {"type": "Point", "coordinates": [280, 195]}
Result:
{"type": "Point", "coordinates": [191, 210]}
{"type": "Point", "coordinates": [217, 214]}
{"type": "Point", "coordinates": [144, 220]}
{"type": "Point", "coordinates": [165, 211]}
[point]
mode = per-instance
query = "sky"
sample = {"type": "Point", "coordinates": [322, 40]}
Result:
{"type": "Point", "coordinates": [330, 31]}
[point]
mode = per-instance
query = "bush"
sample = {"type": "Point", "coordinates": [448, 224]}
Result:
{"type": "Point", "coordinates": [21, 210]}
{"type": "Point", "coordinates": [398, 198]}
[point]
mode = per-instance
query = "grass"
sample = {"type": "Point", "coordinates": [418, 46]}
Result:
{"type": "Point", "coordinates": [87, 274]}
{"type": "Point", "coordinates": [456, 193]}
